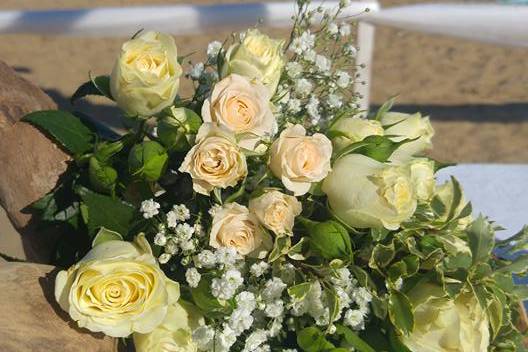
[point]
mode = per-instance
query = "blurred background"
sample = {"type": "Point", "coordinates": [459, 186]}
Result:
{"type": "Point", "coordinates": [476, 94]}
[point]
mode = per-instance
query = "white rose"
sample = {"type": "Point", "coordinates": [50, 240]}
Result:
{"type": "Point", "coordinates": [256, 57]}
{"type": "Point", "coordinates": [243, 107]}
{"type": "Point", "coordinates": [146, 76]}
{"type": "Point", "coordinates": [423, 179]}
{"type": "Point", "coordinates": [300, 160]}
{"type": "Point", "coordinates": [276, 211]}
{"type": "Point", "coordinates": [117, 288]}
{"type": "Point", "coordinates": [234, 226]}
{"type": "Point", "coordinates": [353, 129]}
{"type": "Point", "coordinates": [174, 334]}
{"type": "Point", "coordinates": [406, 126]}
{"type": "Point", "coordinates": [446, 325]}
{"type": "Point", "coordinates": [364, 193]}
{"type": "Point", "coordinates": [215, 161]}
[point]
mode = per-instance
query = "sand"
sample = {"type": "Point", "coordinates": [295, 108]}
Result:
{"type": "Point", "coordinates": [476, 94]}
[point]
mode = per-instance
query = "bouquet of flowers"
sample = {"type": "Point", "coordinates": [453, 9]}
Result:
{"type": "Point", "coordinates": [266, 212]}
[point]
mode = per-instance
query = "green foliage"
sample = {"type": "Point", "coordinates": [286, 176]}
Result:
{"type": "Point", "coordinates": [103, 211]}
{"type": "Point", "coordinates": [208, 304]}
{"type": "Point", "coordinates": [99, 85]}
{"type": "Point", "coordinates": [105, 235]}
{"type": "Point", "coordinates": [148, 160]}
{"type": "Point", "coordinates": [311, 339]}
{"type": "Point", "coordinates": [481, 239]}
{"type": "Point", "coordinates": [352, 339]}
{"type": "Point", "coordinates": [401, 312]}
{"type": "Point", "coordinates": [330, 239]}
{"type": "Point", "coordinates": [65, 129]}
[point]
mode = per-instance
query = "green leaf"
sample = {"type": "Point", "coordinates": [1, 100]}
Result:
{"type": "Point", "coordinates": [103, 211]}
{"type": "Point", "coordinates": [353, 339]}
{"type": "Point", "coordinates": [518, 266]}
{"type": "Point", "coordinates": [495, 313]}
{"type": "Point", "coordinates": [99, 85]}
{"type": "Point", "coordinates": [350, 149]}
{"type": "Point", "coordinates": [400, 312]}
{"type": "Point", "coordinates": [102, 177]}
{"type": "Point", "coordinates": [521, 292]}
{"type": "Point", "coordinates": [363, 277]}
{"type": "Point", "coordinates": [65, 128]}
{"type": "Point", "coordinates": [298, 292]}
{"type": "Point", "coordinates": [481, 238]}
{"type": "Point", "coordinates": [382, 255]}
{"type": "Point", "coordinates": [457, 198]}
{"type": "Point", "coordinates": [299, 250]}
{"type": "Point", "coordinates": [280, 248]}
{"type": "Point", "coordinates": [204, 299]}
{"type": "Point", "coordinates": [311, 339]}
{"type": "Point", "coordinates": [384, 108]}
{"type": "Point", "coordinates": [380, 148]}
{"type": "Point", "coordinates": [329, 238]}
{"type": "Point", "coordinates": [105, 235]}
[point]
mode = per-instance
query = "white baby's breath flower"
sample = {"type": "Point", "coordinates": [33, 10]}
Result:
{"type": "Point", "coordinates": [345, 29]}
{"type": "Point", "coordinates": [226, 256]}
{"type": "Point", "coordinates": [203, 337]}
{"type": "Point", "coordinates": [273, 289]}
{"type": "Point", "coordinates": [350, 50]}
{"type": "Point", "coordinates": [149, 208]}
{"type": "Point", "coordinates": [294, 105]}
{"type": "Point", "coordinates": [197, 71]}
{"type": "Point", "coordinates": [192, 276]}
{"type": "Point", "coordinates": [226, 286]}
{"type": "Point", "coordinates": [255, 339]}
{"type": "Point", "coordinates": [184, 231]}
{"type": "Point", "coordinates": [246, 300]}
{"type": "Point", "coordinates": [213, 49]}
{"type": "Point", "coordinates": [160, 239]}
{"type": "Point", "coordinates": [313, 109]}
{"type": "Point", "coordinates": [274, 309]}
{"type": "Point", "coordinates": [182, 212]}
{"type": "Point", "coordinates": [354, 319]}
{"type": "Point", "coordinates": [205, 259]}
{"type": "Point", "coordinates": [225, 339]}
{"type": "Point", "coordinates": [259, 269]}
{"type": "Point", "coordinates": [303, 87]}
{"type": "Point", "coordinates": [333, 28]}
{"type": "Point", "coordinates": [164, 258]}
{"type": "Point", "coordinates": [303, 43]}
{"type": "Point", "coordinates": [343, 79]}
{"type": "Point", "coordinates": [323, 64]}
{"type": "Point", "coordinates": [334, 101]}
{"type": "Point", "coordinates": [172, 219]}
{"type": "Point", "coordinates": [171, 247]}
{"type": "Point", "coordinates": [293, 69]}
{"type": "Point", "coordinates": [240, 321]}
{"type": "Point", "coordinates": [310, 55]}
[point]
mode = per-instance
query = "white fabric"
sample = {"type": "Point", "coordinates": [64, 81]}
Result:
{"type": "Point", "coordinates": [175, 19]}
{"type": "Point", "coordinates": [498, 24]}
{"type": "Point", "coordinates": [499, 191]}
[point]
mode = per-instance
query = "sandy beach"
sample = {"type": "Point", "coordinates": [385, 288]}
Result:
{"type": "Point", "coordinates": [476, 94]}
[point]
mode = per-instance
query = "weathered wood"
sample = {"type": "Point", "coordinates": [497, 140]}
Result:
{"type": "Point", "coordinates": [32, 321]}
{"type": "Point", "coordinates": [30, 163]}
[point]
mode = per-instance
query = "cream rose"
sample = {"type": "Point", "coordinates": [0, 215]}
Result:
{"type": "Point", "coordinates": [117, 288]}
{"type": "Point", "coordinates": [276, 211]}
{"type": "Point", "coordinates": [256, 57]}
{"type": "Point", "coordinates": [300, 160]}
{"type": "Point", "coordinates": [365, 193]}
{"type": "Point", "coordinates": [446, 325]}
{"type": "Point", "coordinates": [146, 76]}
{"type": "Point", "coordinates": [215, 161]}
{"type": "Point", "coordinates": [423, 179]}
{"type": "Point", "coordinates": [174, 334]}
{"type": "Point", "coordinates": [406, 126]}
{"type": "Point", "coordinates": [353, 129]}
{"type": "Point", "coordinates": [234, 226]}
{"type": "Point", "coordinates": [243, 107]}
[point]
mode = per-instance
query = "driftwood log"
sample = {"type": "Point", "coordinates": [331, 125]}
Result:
{"type": "Point", "coordinates": [32, 321]}
{"type": "Point", "coordinates": [30, 163]}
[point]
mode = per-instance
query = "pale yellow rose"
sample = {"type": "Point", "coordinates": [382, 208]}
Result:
{"type": "Point", "coordinates": [146, 76]}
{"type": "Point", "coordinates": [174, 334]}
{"type": "Point", "coordinates": [364, 193]}
{"type": "Point", "coordinates": [446, 325]}
{"type": "Point", "coordinates": [117, 288]}
{"type": "Point", "coordinates": [276, 211]}
{"type": "Point", "coordinates": [243, 107]}
{"type": "Point", "coordinates": [300, 160]}
{"type": "Point", "coordinates": [256, 57]}
{"type": "Point", "coordinates": [215, 160]}
{"type": "Point", "coordinates": [353, 129]}
{"type": "Point", "coordinates": [235, 227]}
{"type": "Point", "coordinates": [407, 126]}
{"type": "Point", "coordinates": [423, 179]}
